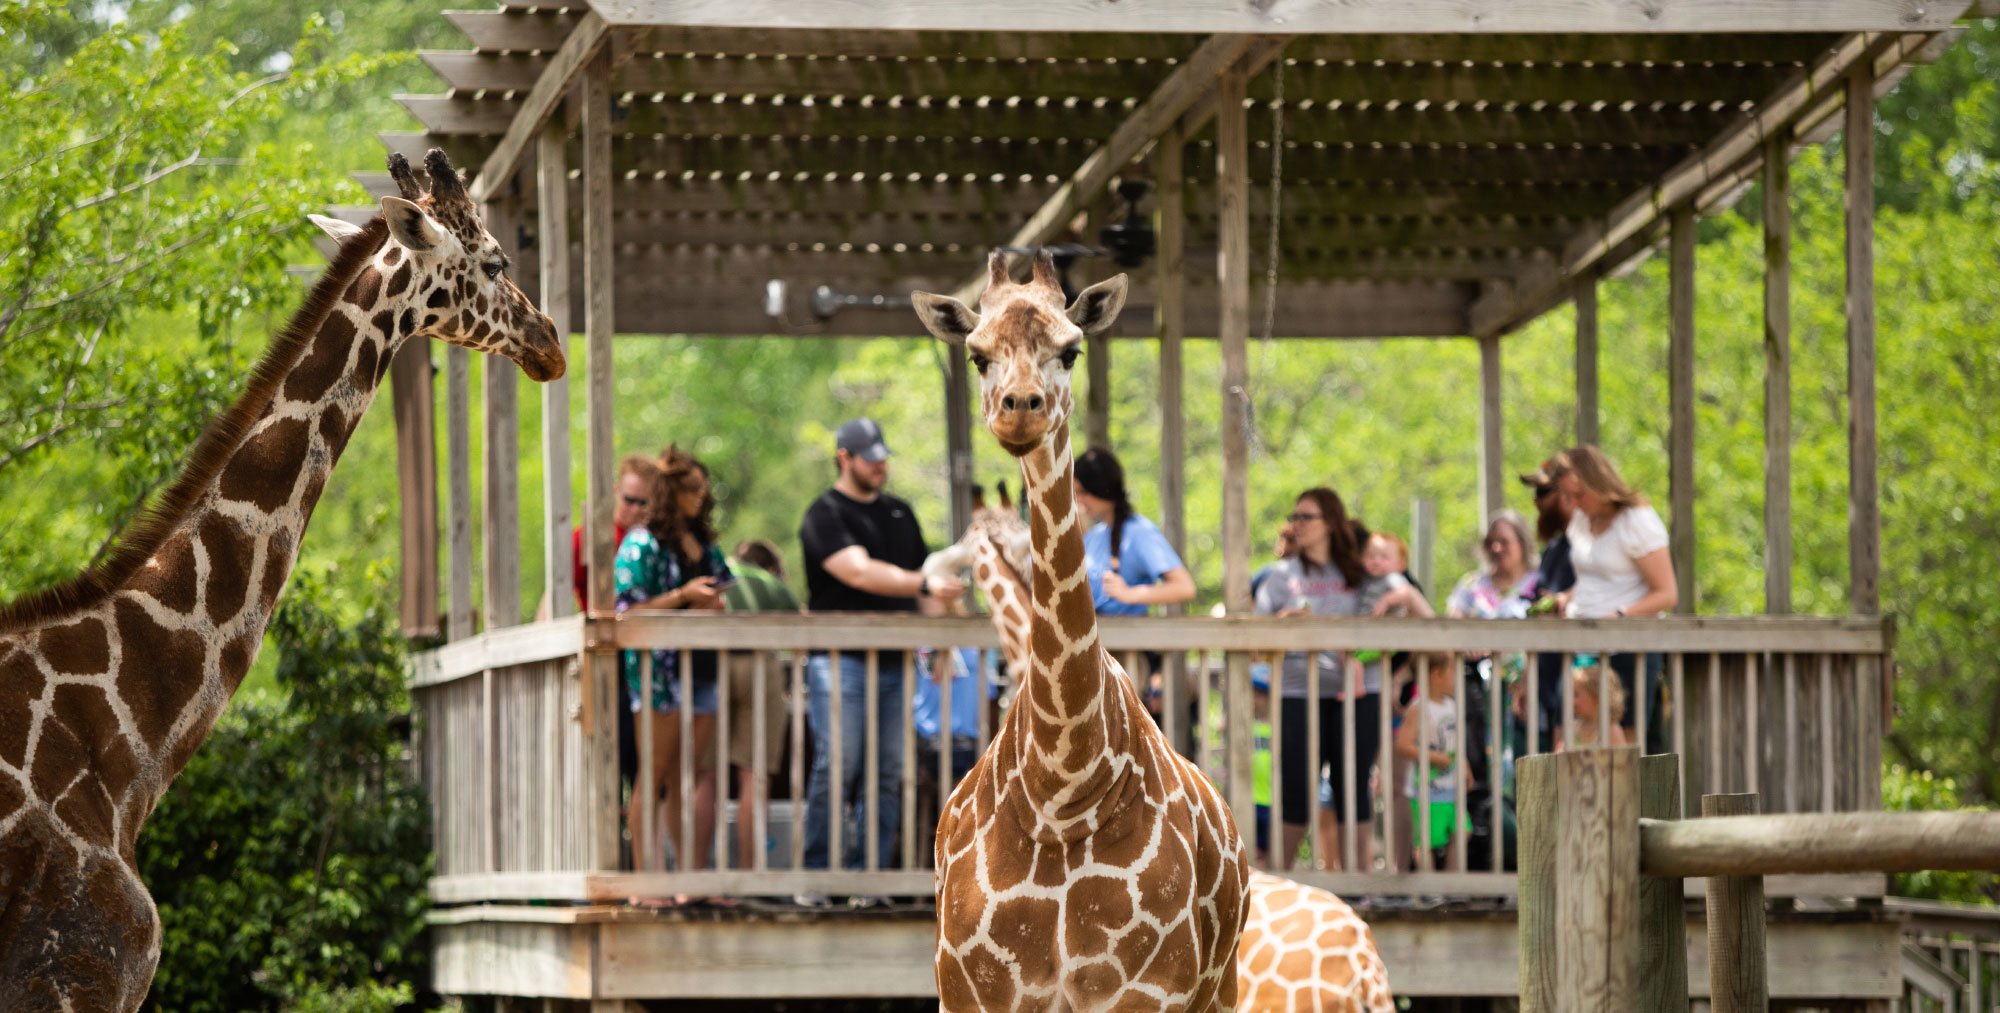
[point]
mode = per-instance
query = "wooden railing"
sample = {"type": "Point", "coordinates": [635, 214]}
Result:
{"type": "Point", "coordinates": [519, 736]}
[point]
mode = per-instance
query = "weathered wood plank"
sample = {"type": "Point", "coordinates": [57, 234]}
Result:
{"type": "Point", "coordinates": [526, 117]}
{"type": "Point", "coordinates": [412, 397]}
{"type": "Point", "coordinates": [552, 249]}
{"type": "Point", "coordinates": [501, 485]}
{"type": "Point", "coordinates": [1681, 396]}
{"type": "Point", "coordinates": [599, 288]}
{"type": "Point", "coordinates": [1535, 787]}
{"type": "Point", "coordinates": [1737, 981]}
{"type": "Point", "coordinates": [1777, 380]}
{"type": "Point", "coordinates": [1233, 329]}
{"type": "Point", "coordinates": [1492, 455]}
{"type": "Point", "coordinates": [1424, 16]}
{"type": "Point", "coordinates": [1597, 895]}
{"type": "Point", "coordinates": [1663, 973]}
{"type": "Point", "coordinates": [1842, 842]}
{"type": "Point", "coordinates": [458, 509]}
{"type": "Point", "coordinates": [1170, 326]}
{"type": "Point", "coordinates": [1864, 520]}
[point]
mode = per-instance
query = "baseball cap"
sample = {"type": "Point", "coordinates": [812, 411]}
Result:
{"type": "Point", "coordinates": [862, 438]}
{"type": "Point", "coordinates": [1545, 475]}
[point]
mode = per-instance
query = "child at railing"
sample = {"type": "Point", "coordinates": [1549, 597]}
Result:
{"type": "Point", "coordinates": [1430, 734]}
{"type": "Point", "coordinates": [1587, 676]}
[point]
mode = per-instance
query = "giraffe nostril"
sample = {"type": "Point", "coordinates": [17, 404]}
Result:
{"type": "Point", "coordinates": [1007, 402]}
{"type": "Point", "coordinates": [1035, 403]}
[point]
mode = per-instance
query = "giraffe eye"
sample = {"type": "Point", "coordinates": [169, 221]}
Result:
{"type": "Point", "coordinates": [980, 362]}
{"type": "Point", "coordinates": [1068, 356]}
{"type": "Point", "coordinates": [493, 268]}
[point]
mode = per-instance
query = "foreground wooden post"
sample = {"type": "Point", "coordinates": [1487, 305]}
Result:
{"type": "Point", "coordinates": [1736, 982]}
{"type": "Point", "coordinates": [1535, 823]}
{"type": "Point", "coordinates": [1597, 893]}
{"type": "Point", "coordinates": [1663, 974]}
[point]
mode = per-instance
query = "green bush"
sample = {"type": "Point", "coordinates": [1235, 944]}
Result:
{"type": "Point", "coordinates": [290, 859]}
{"type": "Point", "coordinates": [1904, 789]}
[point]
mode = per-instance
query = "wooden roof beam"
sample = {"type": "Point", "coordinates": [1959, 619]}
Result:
{"type": "Point", "coordinates": [583, 43]}
{"type": "Point", "coordinates": [1165, 105]}
{"type": "Point", "coordinates": [1220, 16]}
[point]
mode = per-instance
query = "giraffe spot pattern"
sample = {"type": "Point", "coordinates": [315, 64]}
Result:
{"type": "Point", "coordinates": [266, 468]}
{"type": "Point", "coordinates": [79, 648]}
{"type": "Point", "coordinates": [153, 699]}
{"type": "Point", "coordinates": [398, 282]}
{"type": "Point", "coordinates": [229, 550]}
{"type": "Point", "coordinates": [366, 289]}
{"type": "Point", "coordinates": [324, 363]}
{"type": "Point", "coordinates": [170, 577]}
{"type": "Point", "coordinates": [21, 684]}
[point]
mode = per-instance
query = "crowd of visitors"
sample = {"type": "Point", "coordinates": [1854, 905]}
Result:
{"type": "Point", "coordinates": [1603, 555]}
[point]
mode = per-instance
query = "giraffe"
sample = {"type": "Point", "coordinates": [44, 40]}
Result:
{"type": "Point", "coordinates": [109, 681]}
{"type": "Point", "coordinates": [1084, 864]}
{"type": "Point", "coordinates": [995, 547]}
{"type": "Point", "coordinates": [1304, 950]}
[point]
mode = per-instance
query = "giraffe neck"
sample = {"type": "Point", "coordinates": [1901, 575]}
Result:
{"type": "Point", "coordinates": [1076, 746]}
{"type": "Point", "coordinates": [1005, 586]}
{"type": "Point", "coordinates": [197, 610]}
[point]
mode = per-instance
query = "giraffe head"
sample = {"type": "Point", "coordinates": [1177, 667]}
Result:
{"type": "Point", "coordinates": [1023, 341]}
{"type": "Point", "coordinates": [446, 276]}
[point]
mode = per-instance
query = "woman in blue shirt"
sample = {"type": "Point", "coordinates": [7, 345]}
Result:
{"type": "Point", "coordinates": [1131, 566]}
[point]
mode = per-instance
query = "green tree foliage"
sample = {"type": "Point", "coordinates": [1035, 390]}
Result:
{"type": "Point", "coordinates": [1909, 790]}
{"type": "Point", "coordinates": [289, 860]}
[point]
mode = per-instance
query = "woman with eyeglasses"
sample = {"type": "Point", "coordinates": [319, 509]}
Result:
{"type": "Point", "coordinates": [672, 562]}
{"type": "Point", "coordinates": [1322, 577]}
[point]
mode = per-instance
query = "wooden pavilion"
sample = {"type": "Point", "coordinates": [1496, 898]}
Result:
{"type": "Point", "coordinates": [1438, 168]}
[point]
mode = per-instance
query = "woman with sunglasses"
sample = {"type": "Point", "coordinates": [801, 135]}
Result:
{"type": "Point", "coordinates": [1322, 577]}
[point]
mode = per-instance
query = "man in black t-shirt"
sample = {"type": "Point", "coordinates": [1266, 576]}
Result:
{"type": "Point", "coordinates": [862, 550]}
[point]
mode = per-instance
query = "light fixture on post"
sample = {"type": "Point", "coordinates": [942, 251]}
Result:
{"type": "Point", "coordinates": [1130, 239]}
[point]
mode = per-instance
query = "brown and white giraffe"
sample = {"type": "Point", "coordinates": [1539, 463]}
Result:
{"type": "Point", "coordinates": [1084, 864]}
{"type": "Point", "coordinates": [995, 547]}
{"type": "Point", "coordinates": [110, 681]}
{"type": "Point", "coordinates": [1305, 951]}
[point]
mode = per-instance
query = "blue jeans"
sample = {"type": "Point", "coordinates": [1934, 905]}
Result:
{"type": "Point", "coordinates": [853, 732]}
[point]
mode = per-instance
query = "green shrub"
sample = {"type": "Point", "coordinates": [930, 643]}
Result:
{"type": "Point", "coordinates": [1904, 789]}
{"type": "Point", "coordinates": [290, 859]}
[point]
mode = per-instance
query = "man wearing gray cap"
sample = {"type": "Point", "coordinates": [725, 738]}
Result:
{"type": "Point", "coordinates": [862, 550]}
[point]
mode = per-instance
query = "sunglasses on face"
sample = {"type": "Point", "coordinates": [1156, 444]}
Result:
{"type": "Point", "coordinates": [634, 501]}
{"type": "Point", "coordinates": [1298, 518]}
{"type": "Point", "coordinates": [1544, 491]}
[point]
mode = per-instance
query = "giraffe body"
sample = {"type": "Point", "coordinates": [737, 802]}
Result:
{"type": "Point", "coordinates": [1083, 864]}
{"type": "Point", "coordinates": [1305, 951]}
{"type": "Point", "coordinates": [109, 683]}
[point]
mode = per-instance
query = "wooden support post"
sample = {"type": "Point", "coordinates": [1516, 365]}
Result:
{"type": "Point", "coordinates": [1423, 542]}
{"type": "Point", "coordinates": [1597, 895]}
{"type": "Point", "coordinates": [1169, 323]}
{"type": "Point", "coordinates": [958, 438]}
{"type": "Point", "coordinates": [501, 461]}
{"type": "Point", "coordinates": [600, 666]}
{"type": "Point", "coordinates": [1233, 282]}
{"type": "Point", "coordinates": [1584, 293]}
{"type": "Point", "coordinates": [1680, 383]}
{"type": "Point", "coordinates": [1535, 828]}
{"type": "Point", "coordinates": [1242, 744]}
{"type": "Point", "coordinates": [1492, 457]}
{"type": "Point", "coordinates": [412, 393]}
{"type": "Point", "coordinates": [1097, 395]}
{"type": "Point", "coordinates": [1663, 973]}
{"type": "Point", "coordinates": [458, 504]}
{"type": "Point", "coordinates": [552, 203]}
{"type": "Point", "coordinates": [1864, 521]}
{"type": "Point", "coordinates": [1736, 973]}
{"type": "Point", "coordinates": [1777, 379]}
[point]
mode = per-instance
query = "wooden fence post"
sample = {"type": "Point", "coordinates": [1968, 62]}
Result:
{"type": "Point", "coordinates": [1663, 971]}
{"type": "Point", "coordinates": [1736, 971]}
{"type": "Point", "coordinates": [1535, 823]}
{"type": "Point", "coordinates": [1597, 895]}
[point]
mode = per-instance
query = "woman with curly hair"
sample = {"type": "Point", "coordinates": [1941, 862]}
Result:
{"type": "Point", "coordinates": [668, 562]}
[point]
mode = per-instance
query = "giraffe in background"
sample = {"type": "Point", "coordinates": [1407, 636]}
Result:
{"type": "Point", "coordinates": [1084, 864]}
{"type": "Point", "coordinates": [109, 682]}
{"type": "Point", "coordinates": [995, 548]}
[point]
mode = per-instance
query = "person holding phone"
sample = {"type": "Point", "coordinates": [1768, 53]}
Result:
{"type": "Point", "coordinates": [671, 562]}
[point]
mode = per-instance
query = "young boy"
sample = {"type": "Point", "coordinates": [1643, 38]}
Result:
{"type": "Point", "coordinates": [1430, 736]}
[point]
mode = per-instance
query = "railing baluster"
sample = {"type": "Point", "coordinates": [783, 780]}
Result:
{"type": "Point", "coordinates": [1642, 681]}
{"type": "Point", "coordinates": [1753, 737]}
{"type": "Point", "coordinates": [1203, 758]}
{"type": "Point", "coordinates": [836, 855]}
{"type": "Point", "coordinates": [1531, 701]}
{"type": "Point", "coordinates": [1386, 771]}
{"type": "Point", "coordinates": [685, 847]}
{"type": "Point", "coordinates": [1460, 768]}
{"type": "Point", "coordinates": [1606, 673]}
{"type": "Point", "coordinates": [1828, 801]}
{"type": "Point", "coordinates": [760, 774]}
{"type": "Point", "coordinates": [871, 764]}
{"type": "Point", "coordinates": [1274, 715]}
{"type": "Point", "coordinates": [1791, 732]}
{"type": "Point", "coordinates": [796, 826]}
{"type": "Point", "coordinates": [644, 821]}
{"type": "Point", "coordinates": [1679, 662]}
{"type": "Point", "coordinates": [1713, 783]}
{"type": "Point", "coordinates": [723, 704]}
{"type": "Point", "coordinates": [1350, 846]}
{"type": "Point", "coordinates": [982, 705]}
{"type": "Point", "coordinates": [1426, 860]}
{"type": "Point", "coordinates": [908, 823]}
{"type": "Point", "coordinates": [945, 684]}
{"type": "Point", "coordinates": [1566, 728]}
{"type": "Point", "coordinates": [1321, 850]}
{"type": "Point", "coordinates": [1496, 758]}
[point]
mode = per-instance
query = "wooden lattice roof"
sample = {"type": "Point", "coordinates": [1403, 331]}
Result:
{"type": "Point", "coordinates": [1432, 184]}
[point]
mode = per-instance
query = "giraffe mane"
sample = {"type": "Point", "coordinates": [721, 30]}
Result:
{"type": "Point", "coordinates": [213, 449]}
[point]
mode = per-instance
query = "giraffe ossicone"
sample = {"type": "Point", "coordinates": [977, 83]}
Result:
{"type": "Point", "coordinates": [109, 681]}
{"type": "Point", "coordinates": [1083, 864]}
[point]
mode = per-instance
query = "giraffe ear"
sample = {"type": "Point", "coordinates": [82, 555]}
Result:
{"type": "Point", "coordinates": [339, 230]}
{"type": "Point", "coordinates": [945, 317]}
{"type": "Point", "coordinates": [1097, 307]}
{"type": "Point", "coordinates": [411, 226]}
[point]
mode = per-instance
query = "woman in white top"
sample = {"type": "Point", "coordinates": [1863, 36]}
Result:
{"type": "Point", "coordinates": [1619, 548]}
